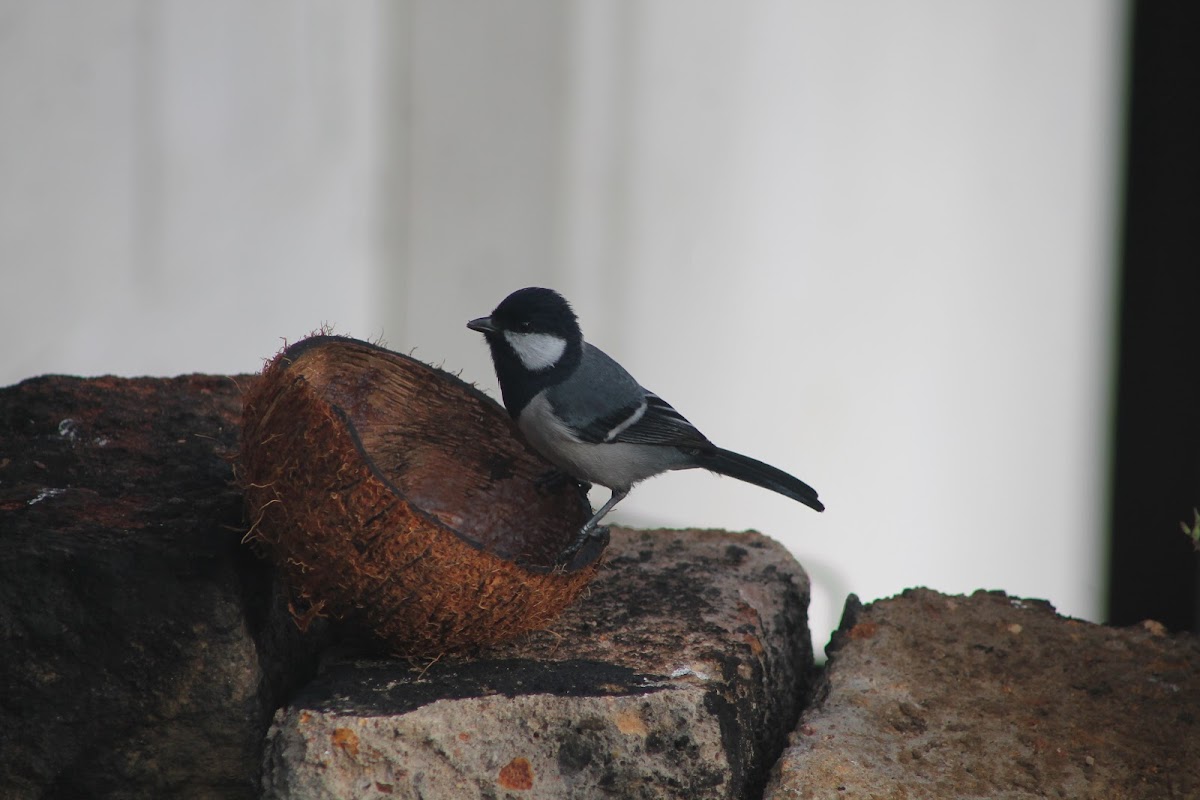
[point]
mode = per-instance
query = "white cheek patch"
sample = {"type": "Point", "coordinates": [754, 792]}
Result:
{"type": "Point", "coordinates": [537, 351]}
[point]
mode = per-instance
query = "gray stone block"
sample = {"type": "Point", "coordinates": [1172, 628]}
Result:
{"type": "Point", "coordinates": [676, 675]}
{"type": "Point", "coordinates": [930, 696]}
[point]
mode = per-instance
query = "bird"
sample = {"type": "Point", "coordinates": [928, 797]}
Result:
{"type": "Point", "coordinates": [590, 418]}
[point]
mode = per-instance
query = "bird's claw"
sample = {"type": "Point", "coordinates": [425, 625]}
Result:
{"type": "Point", "coordinates": [585, 534]}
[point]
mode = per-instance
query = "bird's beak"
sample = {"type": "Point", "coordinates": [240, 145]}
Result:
{"type": "Point", "coordinates": [483, 325]}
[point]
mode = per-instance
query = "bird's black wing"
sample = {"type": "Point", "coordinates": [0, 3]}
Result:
{"type": "Point", "coordinates": [651, 421]}
{"type": "Point", "coordinates": [601, 403]}
{"type": "Point", "coordinates": [604, 429]}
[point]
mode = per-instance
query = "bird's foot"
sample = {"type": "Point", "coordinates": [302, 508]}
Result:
{"type": "Point", "coordinates": [588, 532]}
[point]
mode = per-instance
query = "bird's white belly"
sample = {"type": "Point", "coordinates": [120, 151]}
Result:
{"type": "Point", "coordinates": [617, 465]}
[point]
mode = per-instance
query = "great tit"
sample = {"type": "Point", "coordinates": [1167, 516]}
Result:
{"type": "Point", "coordinates": [588, 416]}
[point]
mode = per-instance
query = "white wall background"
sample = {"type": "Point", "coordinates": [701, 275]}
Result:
{"type": "Point", "coordinates": [871, 243]}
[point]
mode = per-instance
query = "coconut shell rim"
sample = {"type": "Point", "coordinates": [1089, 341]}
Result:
{"type": "Point", "coordinates": [587, 555]}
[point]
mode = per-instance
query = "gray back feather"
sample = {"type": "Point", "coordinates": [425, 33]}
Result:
{"type": "Point", "coordinates": [601, 395]}
{"type": "Point", "coordinates": [597, 388]}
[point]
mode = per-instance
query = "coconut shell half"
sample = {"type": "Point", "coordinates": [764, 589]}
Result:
{"type": "Point", "coordinates": [397, 497]}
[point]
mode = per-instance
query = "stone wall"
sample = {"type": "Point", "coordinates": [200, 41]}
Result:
{"type": "Point", "coordinates": [148, 653]}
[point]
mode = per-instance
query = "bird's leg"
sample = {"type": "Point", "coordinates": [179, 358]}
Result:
{"type": "Point", "coordinates": [617, 496]}
{"type": "Point", "coordinates": [589, 527]}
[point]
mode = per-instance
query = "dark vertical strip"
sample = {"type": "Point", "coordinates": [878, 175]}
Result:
{"type": "Point", "coordinates": [1156, 469]}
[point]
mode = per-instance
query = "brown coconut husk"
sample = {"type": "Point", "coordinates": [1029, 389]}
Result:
{"type": "Point", "coordinates": [395, 496]}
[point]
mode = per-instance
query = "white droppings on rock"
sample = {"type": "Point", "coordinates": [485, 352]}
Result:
{"type": "Point", "coordinates": [45, 494]}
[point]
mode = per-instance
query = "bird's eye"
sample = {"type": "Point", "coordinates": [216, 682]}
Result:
{"type": "Point", "coordinates": [524, 326]}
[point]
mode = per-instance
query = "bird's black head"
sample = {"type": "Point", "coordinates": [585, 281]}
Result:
{"type": "Point", "coordinates": [536, 310]}
{"type": "Point", "coordinates": [535, 342]}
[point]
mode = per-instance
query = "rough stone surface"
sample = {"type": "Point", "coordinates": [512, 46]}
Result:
{"type": "Point", "coordinates": [143, 649]}
{"type": "Point", "coordinates": [930, 696]}
{"type": "Point", "coordinates": [677, 675]}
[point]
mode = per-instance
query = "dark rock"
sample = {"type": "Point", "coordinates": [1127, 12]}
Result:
{"type": "Point", "coordinates": [144, 649]}
{"type": "Point", "coordinates": [931, 696]}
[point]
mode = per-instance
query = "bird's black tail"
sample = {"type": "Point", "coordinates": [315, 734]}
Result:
{"type": "Point", "coordinates": [744, 468]}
